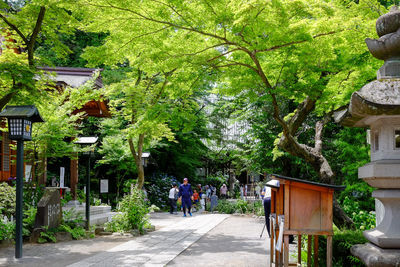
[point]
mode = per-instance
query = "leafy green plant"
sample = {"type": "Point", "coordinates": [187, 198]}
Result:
{"type": "Point", "coordinates": [7, 230]}
{"type": "Point", "coordinates": [7, 199]}
{"type": "Point", "coordinates": [227, 207]}
{"type": "Point", "coordinates": [133, 214]}
{"type": "Point", "coordinates": [77, 232]}
{"type": "Point", "coordinates": [48, 235]}
{"type": "Point", "coordinates": [28, 221]}
{"type": "Point", "coordinates": [66, 199]}
{"type": "Point", "coordinates": [32, 194]}
{"type": "Point", "coordinates": [119, 223]}
{"type": "Point", "coordinates": [341, 243]}
{"type": "Point", "coordinates": [242, 206]}
{"type": "Point", "coordinates": [363, 220]}
{"type": "Point", "coordinates": [72, 218]}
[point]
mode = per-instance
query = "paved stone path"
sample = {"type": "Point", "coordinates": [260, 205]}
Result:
{"type": "Point", "coordinates": [235, 242]}
{"type": "Point", "coordinates": [158, 248]}
{"type": "Point", "coordinates": [201, 240]}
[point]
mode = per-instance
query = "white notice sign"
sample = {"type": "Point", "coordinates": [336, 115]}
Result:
{"type": "Point", "coordinates": [103, 185]}
{"type": "Point", "coordinates": [62, 174]}
{"type": "Point", "coordinates": [28, 169]}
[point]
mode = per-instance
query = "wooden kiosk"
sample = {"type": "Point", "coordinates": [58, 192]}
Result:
{"type": "Point", "coordinates": [300, 207]}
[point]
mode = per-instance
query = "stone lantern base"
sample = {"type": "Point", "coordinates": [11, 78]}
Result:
{"type": "Point", "coordinates": [373, 256]}
{"type": "Point", "coordinates": [387, 234]}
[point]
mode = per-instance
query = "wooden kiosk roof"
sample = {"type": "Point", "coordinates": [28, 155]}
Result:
{"type": "Point", "coordinates": [334, 187]}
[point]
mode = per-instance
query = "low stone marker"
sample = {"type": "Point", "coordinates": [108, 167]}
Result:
{"type": "Point", "coordinates": [49, 209]}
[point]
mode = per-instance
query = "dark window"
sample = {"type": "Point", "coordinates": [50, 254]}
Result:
{"type": "Point", "coordinates": [376, 141]}
{"type": "Point", "coordinates": [397, 138]}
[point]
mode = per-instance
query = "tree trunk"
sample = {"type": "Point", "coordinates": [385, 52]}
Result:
{"type": "Point", "coordinates": [140, 182]}
{"type": "Point", "coordinates": [42, 177]}
{"type": "Point", "coordinates": [319, 163]}
{"type": "Point", "coordinates": [137, 155]}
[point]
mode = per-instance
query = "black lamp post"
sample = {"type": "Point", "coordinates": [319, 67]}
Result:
{"type": "Point", "coordinates": [87, 141]}
{"type": "Point", "coordinates": [20, 120]}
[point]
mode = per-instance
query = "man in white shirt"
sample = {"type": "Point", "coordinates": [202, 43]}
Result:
{"type": "Point", "coordinates": [173, 192]}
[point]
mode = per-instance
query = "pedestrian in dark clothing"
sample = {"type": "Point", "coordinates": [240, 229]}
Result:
{"type": "Point", "coordinates": [173, 196]}
{"type": "Point", "coordinates": [267, 212]}
{"type": "Point", "coordinates": [186, 196]}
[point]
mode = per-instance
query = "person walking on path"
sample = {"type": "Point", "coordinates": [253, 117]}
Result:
{"type": "Point", "coordinates": [257, 191]}
{"type": "Point", "coordinates": [173, 196]}
{"type": "Point", "coordinates": [186, 196]}
{"type": "Point", "coordinates": [222, 191]}
{"type": "Point", "coordinates": [267, 207]}
{"type": "Point", "coordinates": [214, 201]}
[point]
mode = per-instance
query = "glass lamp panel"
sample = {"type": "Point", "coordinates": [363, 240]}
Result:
{"type": "Point", "coordinates": [27, 129]}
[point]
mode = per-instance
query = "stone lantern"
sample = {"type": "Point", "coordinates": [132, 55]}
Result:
{"type": "Point", "coordinates": [377, 106]}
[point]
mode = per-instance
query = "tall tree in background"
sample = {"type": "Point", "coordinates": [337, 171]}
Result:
{"type": "Point", "coordinates": [24, 24]}
{"type": "Point", "coordinates": [311, 52]}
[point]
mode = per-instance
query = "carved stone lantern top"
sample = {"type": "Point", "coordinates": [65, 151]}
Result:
{"type": "Point", "coordinates": [382, 96]}
{"type": "Point", "coordinates": [388, 45]}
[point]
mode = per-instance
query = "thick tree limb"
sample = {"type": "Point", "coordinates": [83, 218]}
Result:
{"type": "Point", "coordinates": [33, 36]}
{"type": "Point", "coordinates": [7, 98]}
{"type": "Point", "coordinates": [223, 54]}
{"type": "Point", "coordinates": [300, 115]}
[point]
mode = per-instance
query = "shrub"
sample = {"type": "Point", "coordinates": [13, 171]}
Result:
{"type": "Point", "coordinates": [363, 220]}
{"type": "Point", "coordinates": [28, 221]}
{"type": "Point", "coordinates": [7, 230]}
{"type": "Point", "coordinates": [136, 209]}
{"type": "Point", "coordinates": [32, 194]}
{"type": "Point", "coordinates": [7, 200]}
{"type": "Point", "coordinates": [342, 241]}
{"type": "Point", "coordinates": [258, 208]}
{"type": "Point", "coordinates": [77, 232]}
{"type": "Point", "coordinates": [361, 193]}
{"type": "Point", "coordinates": [225, 206]}
{"type": "Point", "coordinates": [48, 235]}
{"type": "Point", "coordinates": [158, 187]}
{"type": "Point", "coordinates": [134, 213]}
{"type": "Point", "coordinates": [242, 206]}
{"type": "Point", "coordinates": [119, 223]}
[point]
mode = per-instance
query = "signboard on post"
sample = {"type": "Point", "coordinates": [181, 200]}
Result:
{"type": "Point", "coordinates": [62, 174]}
{"type": "Point", "coordinates": [103, 186]}
{"type": "Point", "coordinates": [28, 169]}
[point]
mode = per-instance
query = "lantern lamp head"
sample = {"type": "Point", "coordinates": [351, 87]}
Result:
{"type": "Point", "coordinates": [20, 120]}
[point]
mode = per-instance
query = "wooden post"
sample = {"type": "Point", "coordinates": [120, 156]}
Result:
{"type": "Point", "coordinates": [316, 251]}
{"type": "Point", "coordinates": [286, 250]}
{"type": "Point", "coordinates": [74, 176]}
{"type": "Point", "coordinates": [298, 250]}
{"type": "Point", "coordinates": [271, 247]}
{"type": "Point", "coordinates": [309, 238]}
{"type": "Point", "coordinates": [329, 251]}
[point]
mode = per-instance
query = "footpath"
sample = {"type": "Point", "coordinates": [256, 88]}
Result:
{"type": "Point", "coordinates": [201, 240]}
